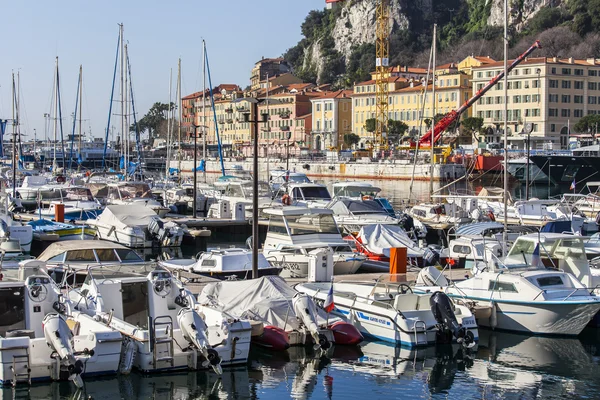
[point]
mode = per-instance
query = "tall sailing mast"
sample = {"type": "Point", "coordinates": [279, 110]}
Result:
{"type": "Point", "coordinates": [204, 119]}
{"type": "Point", "coordinates": [169, 123]}
{"type": "Point", "coordinates": [433, 104]}
{"type": "Point", "coordinates": [55, 127]}
{"type": "Point", "coordinates": [179, 155]}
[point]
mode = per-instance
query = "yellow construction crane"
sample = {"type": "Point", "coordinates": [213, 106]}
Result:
{"type": "Point", "coordinates": [382, 61]}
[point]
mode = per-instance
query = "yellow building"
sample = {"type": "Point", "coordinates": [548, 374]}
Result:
{"type": "Point", "coordinates": [331, 119]}
{"type": "Point", "coordinates": [409, 101]}
{"type": "Point", "coordinates": [551, 94]}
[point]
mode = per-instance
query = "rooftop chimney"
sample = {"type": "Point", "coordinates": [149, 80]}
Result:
{"type": "Point", "coordinates": [570, 60]}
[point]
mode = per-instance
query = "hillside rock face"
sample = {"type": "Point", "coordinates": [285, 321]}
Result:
{"type": "Point", "coordinates": [358, 25]}
{"type": "Point", "coordinates": [519, 12]}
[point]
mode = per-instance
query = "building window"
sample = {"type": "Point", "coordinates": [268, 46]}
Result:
{"type": "Point", "coordinates": [566, 71]}
{"type": "Point", "coordinates": [535, 98]}
{"type": "Point", "coordinates": [592, 100]}
{"type": "Point", "coordinates": [516, 99]}
{"type": "Point", "coordinates": [553, 98]}
{"type": "Point", "coordinates": [553, 112]}
{"type": "Point", "coordinates": [593, 72]}
{"type": "Point", "coordinates": [578, 99]}
{"type": "Point", "coordinates": [553, 83]}
{"type": "Point", "coordinates": [579, 72]}
{"type": "Point", "coordinates": [552, 127]}
{"type": "Point", "coordinates": [535, 83]}
{"type": "Point", "coordinates": [553, 71]}
{"type": "Point", "coordinates": [480, 74]}
{"type": "Point", "coordinates": [526, 71]}
{"type": "Point", "coordinates": [565, 112]}
{"type": "Point", "coordinates": [578, 113]}
{"type": "Point", "coordinates": [579, 85]}
{"type": "Point", "coordinates": [318, 106]}
{"type": "Point", "coordinates": [566, 84]}
{"type": "Point", "coordinates": [565, 98]}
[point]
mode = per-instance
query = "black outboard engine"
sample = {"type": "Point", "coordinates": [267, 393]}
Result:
{"type": "Point", "coordinates": [441, 307]}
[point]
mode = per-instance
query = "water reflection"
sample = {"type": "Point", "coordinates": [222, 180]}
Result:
{"type": "Point", "coordinates": [504, 366]}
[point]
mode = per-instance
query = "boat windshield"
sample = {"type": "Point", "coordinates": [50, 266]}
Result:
{"type": "Point", "coordinates": [316, 193]}
{"type": "Point", "coordinates": [135, 190]}
{"type": "Point", "coordinates": [365, 207]}
{"type": "Point", "coordinates": [77, 194]}
{"type": "Point", "coordinates": [355, 191]}
{"type": "Point", "coordinates": [263, 190]}
{"type": "Point", "coordinates": [550, 251]}
{"type": "Point", "coordinates": [311, 224]}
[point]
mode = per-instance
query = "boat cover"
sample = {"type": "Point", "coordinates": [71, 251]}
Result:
{"type": "Point", "coordinates": [122, 216]}
{"type": "Point", "coordinates": [379, 239]}
{"type": "Point", "coordinates": [267, 299]}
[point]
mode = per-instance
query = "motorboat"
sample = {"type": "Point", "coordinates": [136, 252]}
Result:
{"type": "Point", "coordinates": [286, 316]}
{"type": "Point", "coordinates": [351, 215]}
{"type": "Point", "coordinates": [78, 202]}
{"type": "Point", "coordinates": [72, 258]}
{"type": "Point", "coordinates": [239, 194]}
{"type": "Point", "coordinates": [45, 230]}
{"type": "Point", "coordinates": [440, 215]}
{"type": "Point", "coordinates": [376, 241]}
{"type": "Point", "coordinates": [466, 251]}
{"type": "Point", "coordinates": [294, 232]}
{"type": "Point", "coordinates": [223, 264]}
{"type": "Point", "coordinates": [163, 322]}
{"type": "Point", "coordinates": [354, 190]}
{"type": "Point", "coordinates": [11, 229]}
{"type": "Point", "coordinates": [138, 194]}
{"type": "Point", "coordinates": [309, 195]}
{"type": "Point", "coordinates": [182, 198]}
{"type": "Point", "coordinates": [530, 290]}
{"type": "Point", "coordinates": [280, 179]}
{"type": "Point", "coordinates": [134, 226]}
{"type": "Point", "coordinates": [43, 338]}
{"type": "Point", "coordinates": [389, 310]}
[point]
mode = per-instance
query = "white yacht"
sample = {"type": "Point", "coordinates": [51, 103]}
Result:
{"type": "Point", "coordinates": [309, 195]}
{"type": "Point", "coordinates": [239, 194]}
{"type": "Point", "coordinates": [223, 264]}
{"type": "Point", "coordinates": [182, 197]}
{"type": "Point", "coordinates": [351, 215]}
{"type": "Point", "coordinates": [134, 193]}
{"type": "Point", "coordinates": [296, 231]}
{"type": "Point", "coordinates": [280, 178]}
{"type": "Point", "coordinates": [440, 216]}
{"type": "Point", "coordinates": [43, 338]}
{"type": "Point", "coordinates": [521, 294]}
{"type": "Point", "coordinates": [137, 227]}
{"type": "Point", "coordinates": [160, 317]}
{"type": "Point", "coordinates": [354, 190]}
{"type": "Point", "coordinates": [390, 311]}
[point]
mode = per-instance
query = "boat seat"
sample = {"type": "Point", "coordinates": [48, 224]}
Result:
{"type": "Point", "coordinates": [383, 297]}
{"type": "Point", "coordinates": [20, 333]}
{"type": "Point", "coordinates": [406, 302]}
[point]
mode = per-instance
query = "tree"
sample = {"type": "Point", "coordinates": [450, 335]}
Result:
{"type": "Point", "coordinates": [472, 124]}
{"type": "Point", "coordinates": [589, 123]}
{"type": "Point", "coordinates": [351, 139]}
{"type": "Point", "coordinates": [371, 125]}
{"type": "Point", "coordinates": [396, 129]}
{"type": "Point", "coordinates": [154, 120]}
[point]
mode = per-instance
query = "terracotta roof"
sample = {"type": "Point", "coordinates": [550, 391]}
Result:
{"type": "Point", "coordinates": [545, 60]}
{"type": "Point", "coordinates": [339, 94]}
{"type": "Point", "coordinates": [447, 66]}
{"type": "Point", "coordinates": [484, 60]}
{"type": "Point", "coordinates": [228, 87]}
{"type": "Point", "coordinates": [300, 86]}
{"type": "Point", "coordinates": [195, 95]}
{"type": "Point", "coordinates": [269, 60]}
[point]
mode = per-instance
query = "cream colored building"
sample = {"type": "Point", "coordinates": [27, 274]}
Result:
{"type": "Point", "coordinates": [331, 119]}
{"type": "Point", "coordinates": [551, 94]}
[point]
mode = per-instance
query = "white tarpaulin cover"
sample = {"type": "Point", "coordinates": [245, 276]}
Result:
{"type": "Point", "coordinates": [267, 299]}
{"type": "Point", "coordinates": [379, 239]}
{"type": "Point", "coordinates": [121, 216]}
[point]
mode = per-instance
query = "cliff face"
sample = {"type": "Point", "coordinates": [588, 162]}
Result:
{"type": "Point", "coordinates": [519, 12]}
{"type": "Point", "coordinates": [325, 53]}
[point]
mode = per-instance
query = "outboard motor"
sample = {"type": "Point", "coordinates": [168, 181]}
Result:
{"type": "Point", "coordinates": [59, 337]}
{"type": "Point", "coordinates": [306, 312]}
{"type": "Point", "coordinates": [194, 329]}
{"type": "Point", "coordinates": [441, 307]}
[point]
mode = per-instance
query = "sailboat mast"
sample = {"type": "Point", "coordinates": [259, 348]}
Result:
{"type": "Point", "coordinates": [126, 116]}
{"type": "Point", "coordinates": [54, 165]}
{"type": "Point", "coordinates": [505, 117]}
{"type": "Point", "coordinates": [14, 144]}
{"type": "Point", "coordinates": [432, 152]}
{"type": "Point", "coordinates": [204, 120]}
{"type": "Point", "coordinates": [169, 123]}
{"type": "Point", "coordinates": [80, 113]}
{"type": "Point", "coordinates": [179, 122]}
{"type": "Point", "coordinates": [122, 96]}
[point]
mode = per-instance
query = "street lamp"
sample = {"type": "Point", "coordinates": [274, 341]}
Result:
{"type": "Point", "coordinates": [255, 122]}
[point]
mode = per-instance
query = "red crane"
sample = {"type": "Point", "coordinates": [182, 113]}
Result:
{"type": "Point", "coordinates": [454, 115]}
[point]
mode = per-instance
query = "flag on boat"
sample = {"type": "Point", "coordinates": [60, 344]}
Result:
{"type": "Point", "coordinates": [572, 185]}
{"type": "Point", "coordinates": [329, 306]}
{"type": "Point", "coordinates": [536, 261]}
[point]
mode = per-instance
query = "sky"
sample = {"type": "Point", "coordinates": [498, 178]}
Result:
{"type": "Point", "coordinates": [85, 32]}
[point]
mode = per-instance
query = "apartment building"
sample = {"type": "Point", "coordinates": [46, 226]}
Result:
{"type": "Point", "coordinates": [551, 94]}
{"type": "Point", "coordinates": [268, 67]}
{"type": "Point", "coordinates": [331, 119]}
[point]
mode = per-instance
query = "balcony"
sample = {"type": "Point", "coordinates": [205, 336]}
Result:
{"type": "Point", "coordinates": [229, 110]}
{"type": "Point", "coordinates": [241, 109]}
{"type": "Point", "coordinates": [285, 128]}
{"type": "Point", "coordinates": [229, 121]}
{"type": "Point", "coordinates": [285, 114]}
{"type": "Point", "coordinates": [266, 129]}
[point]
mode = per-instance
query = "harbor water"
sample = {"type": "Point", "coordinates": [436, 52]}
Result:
{"type": "Point", "coordinates": [505, 366]}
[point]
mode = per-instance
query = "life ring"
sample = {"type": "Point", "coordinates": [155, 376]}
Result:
{"type": "Point", "coordinates": [60, 179]}
{"type": "Point", "coordinates": [286, 200]}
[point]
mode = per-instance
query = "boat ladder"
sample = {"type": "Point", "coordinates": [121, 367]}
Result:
{"type": "Point", "coordinates": [21, 359]}
{"type": "Point", "coordinates": [420, 324]}
{"type": "Point", "coordinates": [166, 340]}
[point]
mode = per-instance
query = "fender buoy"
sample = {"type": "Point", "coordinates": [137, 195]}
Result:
{"type": "Point", "coordinates": [286, 200]}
